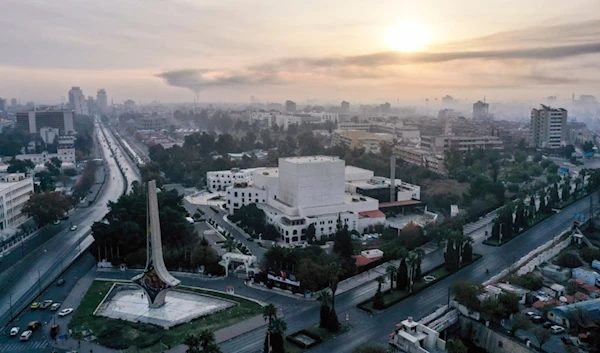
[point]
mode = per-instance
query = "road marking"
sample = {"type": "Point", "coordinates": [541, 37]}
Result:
{"type": "Point", "coordinates": [22, 346]}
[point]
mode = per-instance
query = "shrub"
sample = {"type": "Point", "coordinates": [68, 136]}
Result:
{"type": "Point", "coordinates": [528, 281]}
{"type": "Point", "coordinates": [569, 260]}
{"type": "Point", "coordinates": [589, 254]}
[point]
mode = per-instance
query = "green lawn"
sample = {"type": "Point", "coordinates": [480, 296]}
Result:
{"type": "Point", "coordinates": [119, 333]}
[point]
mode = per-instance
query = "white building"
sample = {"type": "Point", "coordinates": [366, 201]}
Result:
{"type": "Point", "coordinates": [413, 337]}
{"type": "Point", "coordinates": [15, 190]}
{"type": "Point", "coordinates": [77, 101]}
{"type": "Point", "coordinates": [548, 127]}
{"type": "Point", "coordinates": [48, 134]}
{"type": "Point", "coordinates": [65, 151]}
{"type": "Point", "coordinates": [220, 180]}
{"type": "Point", "coordinates": [303, 191]}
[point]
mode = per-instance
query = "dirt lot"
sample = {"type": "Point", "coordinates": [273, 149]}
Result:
{"type": "Point", "coordinates": [431, 187]}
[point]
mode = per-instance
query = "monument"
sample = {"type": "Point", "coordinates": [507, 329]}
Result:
{"type": "Point", "coordinates": [152, 297]}
{"type": "Point", "coordinates": [156, 280]}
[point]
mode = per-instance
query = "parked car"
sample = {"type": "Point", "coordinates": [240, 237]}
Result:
{"type": "Point", "coordinates": [537, 319]}
{"type": "Point", "coordinates": [531, 314]}
{"type": "Point", "coordinates": [65, 312]}
{"type": "Point", "coordinates": [35, 305]}
{"type": "Point", "coordinates": [46, 304]}
{"type": "Point", "coordinates": [557, 329]}
{"type": "Point", "coordinates": [34, 325]}
{"type": "Point", "coordinates": [57, 222]}
{"type": "Point", "coordinates": [55, 306]}
{"type": "Point", "coordinates": [567, 340]}
{"type": "Point", "coordinates": [14, 331]}
{"type": "Point", "coordinates": [60, 282]}
{"type": "Point", "coordinates": [26, 335]}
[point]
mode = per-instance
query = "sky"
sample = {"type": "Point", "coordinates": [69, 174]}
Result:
{"type": "Point", "coordinates": [318, 50]}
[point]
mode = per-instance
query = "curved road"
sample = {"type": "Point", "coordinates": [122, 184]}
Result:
{"type": "Point", "coordinates": [61, 250]}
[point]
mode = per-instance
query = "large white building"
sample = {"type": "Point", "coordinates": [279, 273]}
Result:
{"type": "Point", "coordinates": [77, 101]}
{"type": "Point", "coordinates": [548, 127]}
{"type": "Point", "coordinates": [15, 190]}
{"type": "Point", "coordinates": [102, 100]}
{"type": "Point", "coordinates": [310, 190]}
{"type": "Point", "coordinates": [34, 120]}
{"type": "Point", "coordinates": [65, 151]}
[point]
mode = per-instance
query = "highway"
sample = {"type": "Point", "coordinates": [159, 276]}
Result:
{"type": "Point", "coordinates": [50, 260]}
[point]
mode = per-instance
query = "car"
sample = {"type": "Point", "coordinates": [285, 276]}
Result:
{"type": "Point", "coordinates": [60, 282]}
{"type": "Point", "coordinates": [57, 222]}
{"type": "Point", "coordinates": [46, 304]}
{"type": "Point", "coordinates": [34, 325]}
{"type": "Point", "coordinates": [35, 305]}
{"type": "Point", "coordinates": [73, 227]}
{"type": "Point", "coordinates": [55, 306]}
{"type": "Point", "coordinates": [26, 335]}
{"type": "Point", "coordinates": [547, 324]}
{"type": "Point", "coordinates": [65, 312]}
{"type": "Point", "coordinates": [567, 340]}
{"type": "Point", "coordinates": [14, 331]}
{"type": "Point", "coordinates": [531, 314]}
{"type": "Point", "coordinates": [428, 279]}
{"type": "Point", "coordinates": [537, 319]}
{"type": "Point", "coordinates": [557, 329]}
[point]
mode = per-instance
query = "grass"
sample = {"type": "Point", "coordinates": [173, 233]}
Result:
{"type": "Point", "coordinates": [148, 338]}
{"type": "Point", "coordinates": [393, 297]}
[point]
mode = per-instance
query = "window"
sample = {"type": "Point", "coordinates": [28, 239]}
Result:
{"type": "Point", "coordinates": [235, 194]}
{"type": "Point", "coordinates": [295, 232]}
{"type": "Point", "coordinates": [294, 239]}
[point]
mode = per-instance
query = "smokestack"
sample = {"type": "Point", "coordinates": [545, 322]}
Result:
{"type": "Point", "coordinates": [392, 178]}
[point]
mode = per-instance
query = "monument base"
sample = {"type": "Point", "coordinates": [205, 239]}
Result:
{"type": "Point", "coordinates": [128, 302]}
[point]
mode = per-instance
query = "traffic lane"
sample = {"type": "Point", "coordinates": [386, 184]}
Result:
{"type": "Point", "coordinates": [112, 190]}
{"type": "Point", "coordinates": [55, 293]}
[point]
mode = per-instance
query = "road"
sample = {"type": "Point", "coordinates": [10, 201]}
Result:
{"type": "Point", "coordinates": [47, 264]}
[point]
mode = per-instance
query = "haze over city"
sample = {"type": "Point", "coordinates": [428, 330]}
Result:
{"type": "Point", "coordinates": [226, 51]}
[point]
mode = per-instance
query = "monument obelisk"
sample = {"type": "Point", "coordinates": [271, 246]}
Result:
{"type": "Point", "coordinates": [156, 280]}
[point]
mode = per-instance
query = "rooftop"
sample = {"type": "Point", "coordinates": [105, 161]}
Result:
{"type": "Point", "coordinates": [311, 159]}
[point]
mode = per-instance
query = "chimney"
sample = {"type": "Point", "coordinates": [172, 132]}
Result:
{"type": "Point", "coordinates": [392, 178]}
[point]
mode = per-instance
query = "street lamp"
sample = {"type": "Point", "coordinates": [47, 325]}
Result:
{"type": "Point", "coordinates": [10, 304]}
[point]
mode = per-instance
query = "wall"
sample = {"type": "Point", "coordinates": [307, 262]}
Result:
{"type": "Point", "coordinates": [489, 339]}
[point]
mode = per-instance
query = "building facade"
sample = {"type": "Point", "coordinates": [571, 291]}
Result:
{"type": "Point", "coordinates": [421, 157]}
{"type": "Point", "coordinates": [356, 139]}
{"type": "Point", "coordinates": [15, 190]}
{"type": "Point", "coordinates": [290, 106]}
{"type": "Point", "coordinates": [65, 151]}
{"type": "Point", "coordinates": [33, 121]}
{"type": "Point", "coordinates": [481, 110]}
{"type": "Point", "coordinates": [548, 127]}
{"type": "Point", "coordinates": [77, 101]}
{"type": "Point", "coordinates": [102, 100]}
{"type": "Point", "coordinates": [440, 144]}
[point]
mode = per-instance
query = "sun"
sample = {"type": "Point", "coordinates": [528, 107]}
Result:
{"type": "Point", "coordinates": [407, 37]}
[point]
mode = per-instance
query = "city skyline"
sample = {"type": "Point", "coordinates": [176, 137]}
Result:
{"type": "Point", "coordinates": [359, 52]}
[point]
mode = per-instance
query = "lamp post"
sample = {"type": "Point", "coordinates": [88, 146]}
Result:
{"type": "Point", "coordinates": [10, 304]}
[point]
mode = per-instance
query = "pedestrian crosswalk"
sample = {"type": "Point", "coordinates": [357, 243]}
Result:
{"type": "Point", "coordinates": [18, 346]}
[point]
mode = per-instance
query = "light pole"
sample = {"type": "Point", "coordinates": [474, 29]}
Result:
{"type": "Point", "coordinates": [10, 304]}
{"type": "Point", "coordinates": [39, 281]}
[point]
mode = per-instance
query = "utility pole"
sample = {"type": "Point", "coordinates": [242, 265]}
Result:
{"type": "Point", "coordinates": [10, 304]}
{"type": "Point", "coordinates": [39, 281]}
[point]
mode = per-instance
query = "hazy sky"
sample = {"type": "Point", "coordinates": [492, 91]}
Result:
{"type": "Point", "coordinates": [312, 49]}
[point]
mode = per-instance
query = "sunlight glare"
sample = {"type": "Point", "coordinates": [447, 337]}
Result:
{"type": "Point", "coordinates": [407, 37]}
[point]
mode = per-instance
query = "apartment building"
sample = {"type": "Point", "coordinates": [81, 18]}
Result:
{"type": "Point", "coordinates": [33, 121]}
{"type": "Point", "coordinates": [357, 139]}
{"type": "Point", "coordinates": [15, 190]}
{"type": "Point", "coordinates": [440, 144]}
{"type": "Point", "coordinates": [548, 127]}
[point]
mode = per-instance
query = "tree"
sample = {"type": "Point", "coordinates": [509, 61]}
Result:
{"type": "Point", "coordinates": [532, 208]}
{"type": "Point", "coordinates": [229, 243]}
{"type": "Point", "coordinates": [466, 294]}
{"type": "Point", "coordinates": [334, 271]}
{"type": "Point", "coordinates": [520, 220]}
{"type": "Point", "coordinates": [542, 335]}
{"type": "Point", "coordinates": [467, 252]}
{"type": "Point", "coordinates": [568, 151]}
{"type": "Point", "coordinates": [325, 299]}
{"type": "Point", "coordinates": [311, 233]}
{"type": "Point", "coordinates": [568, 259]}
{"type": "Point", "coordinates": [508, 303]}
{"type": "Point", "coordinates": [402, 278]}
{"type": "Point", "coordinates": [587, 146]}
{"type": "Point", "coordinates": [269, 313]}
{"type": "Point", "coordinates": [566, 192]}
{"type": "Point", "coordinates": [519, 322]}
{"type": "Point", "coordinates": [203, 342]}
{"type": "Point", "coordinates": [20, 166]}
{"type": "Point", "coordinates": [274, 338]}
{"type": "Point", "coordinates": [47, 207]}
{"type": "Point", "coordinates": [392, 271]}
{"type": "Point", "coordinates": [451, 256]}
{"type": "Point", "coordinates": [455, 345]}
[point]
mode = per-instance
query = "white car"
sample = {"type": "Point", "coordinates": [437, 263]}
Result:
{"type": "Point", "coordinates": [65, 312]}
{"type": "Point", "coordinates": [14, 331]}
{"type": "Point", "coordinates": [557, 329]}
{"type": "Point", "coordinates": [55, 306]}
{"type": "Point", "coordinates": [26, 335]}
{"type": "Point", "coordinates": [73, 227]}
{"type": "Point", "coordinates": [531, 314]}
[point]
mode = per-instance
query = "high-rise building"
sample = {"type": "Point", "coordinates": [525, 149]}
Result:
{"type": "Point", "coordinates": [77, 101]}
{"type": "Point", "coordinates": [2, 104]}
{"type": "Point", "coordinates": [32, 121]}
{"type": "Point", "coordinates": [13, 102]}
{"type": "Point", "coordinates": [345, 107]}
{"type": "Point", "coordinates": [102, 100]}
{"type": "Point", "coordinates": [290, 106]}
{"type": "Point", "coordinates": [480, 111]}
{"type": "Point", "coordinates": [548, 127]}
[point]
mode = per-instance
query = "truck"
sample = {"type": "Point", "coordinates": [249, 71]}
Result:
{"type": "Point", "coordinates": [588, 276]}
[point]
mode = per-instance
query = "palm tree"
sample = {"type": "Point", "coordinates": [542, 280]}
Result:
{"type": "Point", "coordinates": [466, 255]}
{"type": "Point", "coordinates": [193, 343]}
{"type": "Point", "coordinates": [325, 299]}
{"type": "Point", "coordinates": [411, 259]}
{"type": "Point", "coordinates": [269, 313]}
{"type": "Point", "coordinates": [333, 271]}
{"type": "Point", "coordinates": [274, 340]}
{"type": "Point", "coordinates": [380, 280]}
{"type": "Point", "coordinates": [418, 260]}
{"type": "Point", "coordinates": [392, 271]}
{"type": "Point", "coordinates": [206, 337]}
{"type": "Point", "coordinates": [229, 244]}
